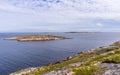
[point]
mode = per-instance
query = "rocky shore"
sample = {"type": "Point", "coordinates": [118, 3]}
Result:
{"type": "Point", "coordinates": [101, 61]}
{"type": "Point", "coordinates": [36, 38]}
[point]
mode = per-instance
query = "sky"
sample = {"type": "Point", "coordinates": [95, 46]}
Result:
{"type": "Point", "coordinates": [59, 15]}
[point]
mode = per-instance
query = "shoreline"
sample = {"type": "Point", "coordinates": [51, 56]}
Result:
{"type": "Point", "coordinates": [106, 50]}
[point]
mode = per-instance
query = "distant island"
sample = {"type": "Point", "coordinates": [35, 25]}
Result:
{"type": "Point", "coordinates": [83, 32]}
{"type": "Point", "coordinates": [36, 38]}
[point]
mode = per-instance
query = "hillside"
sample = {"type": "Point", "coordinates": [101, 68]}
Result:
{"type": "Point", "coordinates": [100, 61]}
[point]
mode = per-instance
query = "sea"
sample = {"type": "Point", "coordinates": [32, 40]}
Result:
{"type": "Point", "coordinates": [15, 55]}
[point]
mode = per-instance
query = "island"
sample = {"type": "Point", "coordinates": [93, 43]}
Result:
{"type": "Point", "coordinates": [100, 61]}
{"type": "Point", "coordinates": [36, 38]}
{"type": "Point", "coordinates": [82, 32]}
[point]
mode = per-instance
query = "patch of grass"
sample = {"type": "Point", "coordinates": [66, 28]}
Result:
{"type": "Point", "coordinates": [88, 70]}
{"type": "Point", "coordinates": [116, 43]}
{"type": "Point", "coordinates": [113, 59]}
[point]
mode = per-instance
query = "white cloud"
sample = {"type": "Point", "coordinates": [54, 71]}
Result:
{"type": "Point", "coordinates": [90, 8]}
{"type": "Point", "coordinates": [11, 8]}
{"type": "Point", "coordinates": [64, 12]}
{"type": "Point", "coordinates": [99, 24]}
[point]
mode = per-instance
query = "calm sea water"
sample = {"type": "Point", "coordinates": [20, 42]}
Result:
{"type": "Point", "coordinates": [19, 55]}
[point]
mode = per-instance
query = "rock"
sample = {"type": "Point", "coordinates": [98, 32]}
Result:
{"type": "Point", "coordinates": [50, 64]}
{"type": "Point", "coordinates": [57, 62]}
{"type": "Point", "coordinates": [80, 52]}
{"type": "Point", "coordinates": [69, 57]}
{"type": "Point", "coordinates": [25, 71]}
{"type": "Point", "coordinates": [112, 69]}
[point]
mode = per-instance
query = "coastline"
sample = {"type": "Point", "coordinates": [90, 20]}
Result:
{"type": "Point", "coordinates": [70, 61]}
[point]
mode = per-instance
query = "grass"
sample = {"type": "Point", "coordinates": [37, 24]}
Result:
{"type": "Point", "coordinates": [87, 69]}
{"type": "Point", "coordinates": [90, 66]}
{"type": "Point", "coordinates": [78, 58]}
{"type": "Point", "coordinates": [60, 65]}
{"type": "Point", "coordinates": [89, 59]}
{"type": "Point", "coordinates": [113, 58]}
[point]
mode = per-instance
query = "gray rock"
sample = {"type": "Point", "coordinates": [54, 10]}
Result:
{"type": "Point", "coordinates": [112, 69]}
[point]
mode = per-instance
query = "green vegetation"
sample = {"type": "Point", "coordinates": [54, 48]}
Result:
{"type": "Point", "coordinates": [116, 43]}
{"type": "Point", "coordinates": [115, 58]}
{"type": "Point", "coordinates": [61, 64]}
{"type": "Point", "coordinates": [88, 70]}
{"type": "Point", "coordinates": [90, 62]}
{"type": "Point", "coordinates": [79, 58]}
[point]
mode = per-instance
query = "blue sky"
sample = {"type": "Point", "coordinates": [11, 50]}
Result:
{"type": "Point", "coordinates": [59, 15]}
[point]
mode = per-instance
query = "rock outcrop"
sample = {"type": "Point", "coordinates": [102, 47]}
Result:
{"type": "Point", "coordinates": [112, 69]}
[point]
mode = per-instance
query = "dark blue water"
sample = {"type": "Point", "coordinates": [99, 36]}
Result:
{"type": "Point", "coordinates": [19, 55]}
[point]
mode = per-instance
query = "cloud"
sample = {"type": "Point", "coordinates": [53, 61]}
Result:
{"type": "Point", "coordinates": [53, 15]}
{"type": "Point", "coordinates": [11, 8]}
{"type": "Point", "coordinates": [67, 8]}
{"type": "Point", "coordinates": [99, 24]}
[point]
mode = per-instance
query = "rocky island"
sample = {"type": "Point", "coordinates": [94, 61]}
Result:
{"type": "Point", "coordinates": [36, 38]}
{"type": "Point", "coordinates": [101, 61]}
